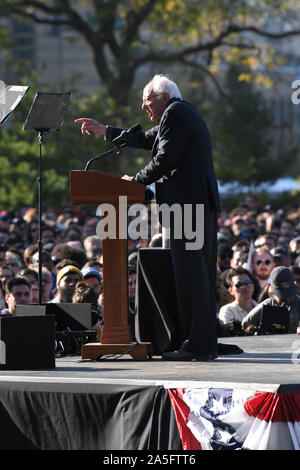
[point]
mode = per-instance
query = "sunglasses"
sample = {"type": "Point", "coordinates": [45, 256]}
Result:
{"type": "Point", "coordinates": [243, 283]}
{"type": "Point", "coordinates": [266, 262]}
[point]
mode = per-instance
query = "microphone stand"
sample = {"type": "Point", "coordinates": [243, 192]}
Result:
{"type": "Point", "coordinates": [40, 242]}
{"type": "Point", "coordinates": [116, 151]}
{"type": "Point", "coordinates": [46, 114]}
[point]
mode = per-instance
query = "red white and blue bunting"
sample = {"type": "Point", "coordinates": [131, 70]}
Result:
{"type": "Point", "coordinates": [223, 418]}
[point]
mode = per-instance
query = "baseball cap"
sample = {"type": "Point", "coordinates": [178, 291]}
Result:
{"type": "Point", "coordinates": [66, 270]}
{"type": "Point", "coordinates": [282, 281]}
{"type": "Point", "coordinates": [89, 272]}
{"type": "Point", "coordinates": [278, 252]}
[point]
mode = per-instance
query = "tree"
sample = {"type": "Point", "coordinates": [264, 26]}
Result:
{"type": "Point", "coordinates": [63, 151]}
{"type": "Point", "coordinates": [201, 38]}
{"type": "Point", "coordinates": [126, 35]}
{"type": "Point", "coordinates": [244, 135]}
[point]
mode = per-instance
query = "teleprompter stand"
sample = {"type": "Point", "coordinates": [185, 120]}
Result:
{"type": "Point", "coordinates": [46, 114]}
{"type": "Point", "coordinates": [96, 187]}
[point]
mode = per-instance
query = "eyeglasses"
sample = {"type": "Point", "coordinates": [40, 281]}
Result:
{"type": "Point", "coordinates": [266, 262]}
{"type": "Point", "coordinates": [148, 100]}
{"type": "Point", "coordinates": [243, 283]}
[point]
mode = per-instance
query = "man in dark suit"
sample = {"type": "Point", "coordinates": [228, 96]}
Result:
{"type": "Point", "coordinates": [183, 171]}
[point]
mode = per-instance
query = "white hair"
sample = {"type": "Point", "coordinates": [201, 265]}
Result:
{"type": "Point", "coordinates": [162, 84]}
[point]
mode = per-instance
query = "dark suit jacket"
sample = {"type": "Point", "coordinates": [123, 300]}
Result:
{"type": "Point", "coordinates": [181, 155]}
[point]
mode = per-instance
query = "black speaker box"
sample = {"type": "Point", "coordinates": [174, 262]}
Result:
{"type": "Point", "coordinates": [27, 342]}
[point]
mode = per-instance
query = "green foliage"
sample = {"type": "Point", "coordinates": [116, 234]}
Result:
{"type": "Point", "coordinates": [63, 151]}
{"type": "Point", "coordinates": [243, 134]}
{"type": "Point", "coordinates": [126, 35]}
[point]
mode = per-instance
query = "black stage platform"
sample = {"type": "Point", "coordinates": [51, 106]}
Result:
{"type": "Point", "coordinates": [61, 408]}
{"type": "Point", "coordinates": [270, 361]}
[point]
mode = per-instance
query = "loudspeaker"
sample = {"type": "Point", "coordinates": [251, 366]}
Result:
{"type": "Point", "coordinates": [27, 342]}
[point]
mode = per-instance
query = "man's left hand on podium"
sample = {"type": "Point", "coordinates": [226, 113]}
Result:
{"type": "Point", "coordinates": [128, 178]}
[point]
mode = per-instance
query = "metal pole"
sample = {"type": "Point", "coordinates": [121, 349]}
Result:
{"type": "Point", "coordinates": [40, 246]}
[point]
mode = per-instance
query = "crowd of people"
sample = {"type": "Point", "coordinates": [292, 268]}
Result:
{"type": "Point", "coordinates": [258, 263]}
{"type": "Point", "coordinates": [72, 262]}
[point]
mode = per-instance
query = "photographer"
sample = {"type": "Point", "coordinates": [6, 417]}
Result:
{"type": "Point", "coordinates": [284, 295]}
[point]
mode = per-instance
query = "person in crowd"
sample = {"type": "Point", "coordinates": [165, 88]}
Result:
{"type": "Point", "coordinates": [48, 234]}
{"type": "Point", "coordinates": [284, 295]}
{"type": "Point", "coordinates": [92, 278]}
{"type": "Point", "coordinates": [244, 288]}
{"type": "Point", "coordinates": [34, 293]}
{"type": "Point", "coordinates": [4, 234]}
{"type": "Point", "coordinates": [2, 297]}
{"type": "Point", "coordinates": [66, 281]}
{"type": "Point", "coordinates": [32, 231]}
{"type": "Point", "coordinates": [32, 278]}
{"type": "Point", "coordinates": [224, 257]}
{"type": "Point", "coordinates": [261, 265]}
{"type": "Point", "coordinates": [86, 294]}
{"type": "Point", "coordinates": [133, 259]}
{"type": "Point", "coordinates": [266, 293]}
{"type": "Point", "coordinates": [74, 253]}
{"type": "Point", "coordinates": [238, 257]}
{"type": "Point", "coordinates": [101, 304]}
{"type": "Point", "coordinates": [182, 168]}
{"type": "Point", "coordinates": [28, 253]}
{"type": "Point", "coordinates": [223, 295]}
{"type": "Point", "coordinates": [287, 228]}
{"type": "Point", "coordinates": [73, 234]}
{"type": "Point", "coordinates": [2, 255]}
{"type": "Point", "coordinates": [156, 241]}
{"type": "Point", "coordinates": [6, 275]}
{"type": "Point", "coordinates": [294, 248]}
{"type": "Point", "coordinates": [46, 284]}
{"type": "Point", "coordinates": [237, 225]}
{"type": "Point", "coordinates": [65, 262]}
{"type": "Point", "coordinates": [30, 275]}
{"type": "Point", "coordinates": [283, 241]}
{"type": "Point", "coordinates": [268, 240]}
{"type": "Point", "coordinates": [296, 276]}
{"type": "Point", "coordinates": [94, 263]}
{"type": "Point", "coordinates": [93, 246]}
{"type": "Point", "coordinates": [88, 229]}
{"type": "Point", "coordinates": [47, 262]}
{"type": "Point", "coordinates": [280, 256]}
{"type": "Point", "coordinates": [17, 292]}
{"type": "Point", "coordinates": [227, 234]}
{"type": "Point", "coordinates": [13, 262]}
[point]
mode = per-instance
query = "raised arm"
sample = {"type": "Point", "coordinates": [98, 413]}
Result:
{"type": "Point", "coordinates": [89, 126]}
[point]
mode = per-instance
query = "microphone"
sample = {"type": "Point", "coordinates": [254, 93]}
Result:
{"type": "Point", "coordinates": [123, 137]}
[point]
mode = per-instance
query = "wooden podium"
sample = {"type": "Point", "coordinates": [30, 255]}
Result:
{"type": "Point", "coordinates": [96, 187]}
